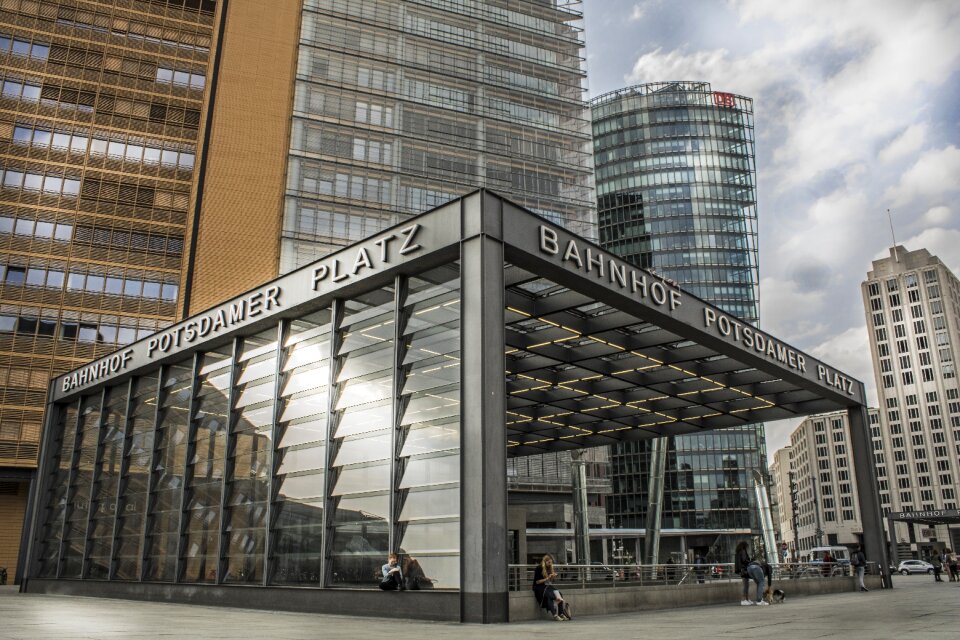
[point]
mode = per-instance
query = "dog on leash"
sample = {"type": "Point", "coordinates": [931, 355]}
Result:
{"type": "Point", "coordinates": [774, 596]}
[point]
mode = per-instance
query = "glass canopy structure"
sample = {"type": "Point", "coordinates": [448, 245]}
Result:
{"type": "Point", "coordinates": [272, 450]}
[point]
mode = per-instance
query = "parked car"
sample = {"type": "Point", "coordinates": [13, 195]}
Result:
{"type": "Point", "coordinates": [914, 566]}
{"type": "Point", "coordinates": [600, 571]}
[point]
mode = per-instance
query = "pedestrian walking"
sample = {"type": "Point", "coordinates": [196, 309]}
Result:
{"type": "Point", "coordinates": [950, 558]}
{"type": "Point", "coordinates": [859, 562]}
{"type": "Point", "coordinates": [937, 561]}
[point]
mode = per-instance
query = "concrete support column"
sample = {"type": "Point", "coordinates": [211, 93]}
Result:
{"type": "Point", "coordinates": [483, 479]}
{"type": "Point", "coordinates": [861, 447]}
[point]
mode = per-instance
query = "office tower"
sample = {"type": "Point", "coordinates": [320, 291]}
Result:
{"type": "Point", "coordinates": [817, 468]}
{"type": "Point", "coordinates": [676, 194]}
{"type": "Point", "coordinates": [99, 120]}
{"type": "Point", "coordinates": [912, 305]}
{"type": "Point", "coordinates": [387, 108]}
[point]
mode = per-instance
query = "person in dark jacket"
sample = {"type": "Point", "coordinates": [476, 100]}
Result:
{"type": "Point", "coordinates": [548, 597]}
{"type": "Point", "coordinates": [859, 562]}
{"type": "Point", "coordinates": [741, 560]}
{"type": "Point", "coordinates": [937, 563]}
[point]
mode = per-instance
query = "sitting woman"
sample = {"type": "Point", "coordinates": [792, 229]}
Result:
{"type": "Point", "coordinates": [548, 597]}
{"type": "Point", "coordinates": [413, 576]}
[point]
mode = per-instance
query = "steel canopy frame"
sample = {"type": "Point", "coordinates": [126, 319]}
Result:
{"type": "Point", "coordinates": [563, 346]}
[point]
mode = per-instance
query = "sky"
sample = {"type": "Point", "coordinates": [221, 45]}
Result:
{"type": "Point", "coordinates": [857, 111]}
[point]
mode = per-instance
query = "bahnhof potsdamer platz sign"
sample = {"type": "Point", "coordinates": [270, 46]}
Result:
{"type": "Point", "coordinates": [272, 450]}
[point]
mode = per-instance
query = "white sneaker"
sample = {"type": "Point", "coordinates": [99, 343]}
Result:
{"type": "Point", "coordinates": [745, 603]}
{"type": "Point", "coordinates": [763, 603]}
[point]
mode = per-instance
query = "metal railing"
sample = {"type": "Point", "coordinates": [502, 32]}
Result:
{"type": "Point", "coordinates": [619, 576]}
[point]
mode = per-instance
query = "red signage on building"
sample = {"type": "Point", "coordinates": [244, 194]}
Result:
{"type": "Point", "coordinates": [722, 99]}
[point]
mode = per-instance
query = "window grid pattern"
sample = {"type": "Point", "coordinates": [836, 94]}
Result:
{"type": "Point", "coordinates": [97, 159]}
{"type": "Point", "coordinates": [401, 106]}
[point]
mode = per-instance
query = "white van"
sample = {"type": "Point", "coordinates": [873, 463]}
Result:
{"type": "Point", "coordinates": [840, 555]}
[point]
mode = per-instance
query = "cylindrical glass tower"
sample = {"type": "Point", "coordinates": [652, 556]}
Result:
{"type": "Point", "coordinates": [676, 194]}
{"type": "Point", "coordinates": [676, 187]}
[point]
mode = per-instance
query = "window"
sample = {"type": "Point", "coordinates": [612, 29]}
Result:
{"type": "Point", "coordinates": [15, 275]}
{"type": "Point", "coordinates": [181, 78]}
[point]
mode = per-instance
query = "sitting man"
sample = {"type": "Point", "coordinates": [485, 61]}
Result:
{"type": "Point", "coordinates": [392, 575]}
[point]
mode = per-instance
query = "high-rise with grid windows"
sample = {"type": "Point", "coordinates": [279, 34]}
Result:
{"type": "Point", "coordinates": [100, 116]}
{"type": "Point", "coordinates": [912, 304]}
{"type": "Point", "coordinates": [384, 109]}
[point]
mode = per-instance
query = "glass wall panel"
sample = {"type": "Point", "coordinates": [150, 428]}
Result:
{"type": "Point", "coordinates": [205, 468]}
{"type": "Point", "coordinates": [428, 531]}
{"type": "Point", "coordinates": [247, 483]}
{"type": "Point", "coordinates": [163, 527]}
{"type": "Point", "coordinates": [78, 500]}
{"type": "Point", "coordinates": [301, 452]}
{"type": "Point", "coordinates": [105, 487]}
{"type": "Point", "coordinates": [133, 499]}
{"type": "Point", "coordinates": [55, 498]}
{"type": "Point", "coordinates": [363, 401]}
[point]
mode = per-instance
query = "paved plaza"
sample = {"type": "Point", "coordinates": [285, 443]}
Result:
{"type": "Point", "coordinates": [918, 608]}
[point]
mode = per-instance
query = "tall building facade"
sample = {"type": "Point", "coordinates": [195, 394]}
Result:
{"type": "Point", "coordinates": [100, 115]}
{"type": "Point", "coordinates": [676, 194]}
{"type": "Point", "coordinates": [391, 108]}
{"type": "Point", "coordinates": [912, 305]}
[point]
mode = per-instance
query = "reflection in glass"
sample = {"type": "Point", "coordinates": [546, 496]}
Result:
{"type": "Point", "coordinates": [104, 504]}
{"type": "Point", "coordinates": [78, 499]}
{"type": "Point", "coordinates": [55, 501]}
{"type": "Point", "coordinates": [246, 498]}
{"type": "Point", "coordinates": [301, 452]}
{"type": "Point", "coordinates": [362, 437]}
{"type": "Point", "coordinates": [163, 526]}
{"type": "Point", "coordinates": [428, 492]}
{"type": "Point", "coordinates": [205, 468]}
{"type": "Point", "coordinates": [133, 498]}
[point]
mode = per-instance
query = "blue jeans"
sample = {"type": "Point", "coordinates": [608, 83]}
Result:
{"type": "Point", "coordinates": [756, 573]}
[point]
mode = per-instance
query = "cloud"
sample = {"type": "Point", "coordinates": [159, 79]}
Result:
{"type": "Point", "coordinates": [905, 144]}
{"type": "Point", "coordinates": [934, 174]}
{"type": "Point", "coordinates": [937, 216]}
{"type": "Point", "coordinates": [637, 13]}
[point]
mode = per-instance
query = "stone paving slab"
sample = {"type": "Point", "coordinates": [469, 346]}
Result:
{"type": "Point", "coordinates": [917, 608]}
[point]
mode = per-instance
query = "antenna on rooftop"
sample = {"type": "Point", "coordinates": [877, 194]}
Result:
{"type": "Point", "coordinates": [894, 235]}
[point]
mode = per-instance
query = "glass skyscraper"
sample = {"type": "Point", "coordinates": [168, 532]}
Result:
{"type": "Point", "coordinates": [676, 194]}
{"type": "Point", "coordinates": [402, 106]}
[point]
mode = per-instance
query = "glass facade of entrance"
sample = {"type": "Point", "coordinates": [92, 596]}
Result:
{"type": "Point", "coordinates": [297, 455]}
